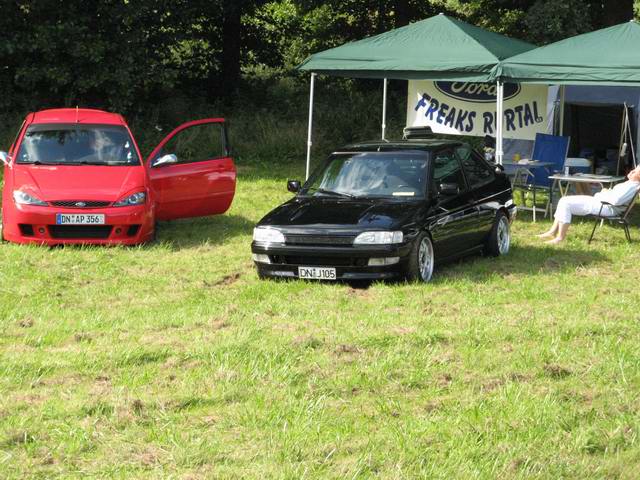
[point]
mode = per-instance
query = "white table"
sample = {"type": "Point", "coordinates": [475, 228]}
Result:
{"type": "Point", "coordinates": [559, 179]}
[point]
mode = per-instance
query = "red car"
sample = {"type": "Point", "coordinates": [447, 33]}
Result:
{"type": "Point", "coordinates": [77, 176]}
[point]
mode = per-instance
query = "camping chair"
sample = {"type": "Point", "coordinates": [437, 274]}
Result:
{"type": "Point", "coordinates": [546, 148]}
{"type": "Point", "coordinates": [552, 149]}
{"type": "Point", "coordinates": [621, 219]}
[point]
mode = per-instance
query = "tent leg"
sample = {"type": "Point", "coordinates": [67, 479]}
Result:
{"type": "Point", "coordinates": [384, 109]}
{"type": "Point", "coordinates": [309, 138]}
{"type": "Point", "coordinates": [623, 136]}
{"type": "Point", "coordinates": [561, 120]}
{"type": "Point", "coordinates": [630, 136]}
{"type": "Point", "coordinates": [499, 116]}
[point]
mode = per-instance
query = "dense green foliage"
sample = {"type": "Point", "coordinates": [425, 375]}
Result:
{"type": "Point", "coordinates": [126, 54]}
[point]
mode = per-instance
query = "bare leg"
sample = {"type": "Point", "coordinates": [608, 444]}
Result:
{"type": "Point", "coordinates": [562, 234]}
{"type": "Point", "coordinates": [551, 232]}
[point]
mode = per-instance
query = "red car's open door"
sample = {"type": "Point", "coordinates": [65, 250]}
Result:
{"type": "Point", "coordinates": [192, 173]}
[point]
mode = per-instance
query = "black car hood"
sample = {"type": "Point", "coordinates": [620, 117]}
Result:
{"type": "Point", "coordinates": [347, 214]}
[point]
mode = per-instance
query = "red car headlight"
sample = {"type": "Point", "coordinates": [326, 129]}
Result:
{"type": "Point", "coordinates": [24, 198]}
{"type": "Point", "coordinates": [131, 200]}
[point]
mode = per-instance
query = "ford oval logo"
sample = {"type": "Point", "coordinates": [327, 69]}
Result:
{"type": "Point", "coordinates": [476, 92]}
{"type": "Point", "coordinates": [81, 204]}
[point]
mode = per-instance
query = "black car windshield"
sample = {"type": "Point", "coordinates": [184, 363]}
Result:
{"type": "Point", "coordinates": [371, 174]}
{"type": "Point", "coordinates": [77, 145]}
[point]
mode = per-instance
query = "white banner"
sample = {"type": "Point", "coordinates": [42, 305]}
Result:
{"type": "Point", "coordinates": [463, 108]}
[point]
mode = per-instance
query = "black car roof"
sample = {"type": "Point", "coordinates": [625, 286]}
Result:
{"type": "Point", "coordinates": [386, 146]}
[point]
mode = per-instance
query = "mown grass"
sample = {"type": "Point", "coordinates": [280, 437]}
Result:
{"type": "Point", "coordinates": [174, 361]}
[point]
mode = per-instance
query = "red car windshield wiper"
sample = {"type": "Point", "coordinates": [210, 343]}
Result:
{"type": "Point", "coordinates": [108, 162]}
{"type": "Point", "coordinates": [37, 162]}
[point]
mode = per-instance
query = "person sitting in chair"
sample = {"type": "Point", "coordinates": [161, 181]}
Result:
{"type": "Point", "coordinates": [618, 196]}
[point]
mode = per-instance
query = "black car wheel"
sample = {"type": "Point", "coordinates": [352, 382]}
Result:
{"type": "Point", "coordinates": [421, 259]}
{"type": "Point", "coordinates": [499, 240]}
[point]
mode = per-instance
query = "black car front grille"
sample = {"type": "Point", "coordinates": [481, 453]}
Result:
{"type": "Point", "coordinates": [80, 232]}
{"type": "Point", "coordinates": [80, 203]}
{"type": "Point", "coordinates": [296, 239]}
{"type": "Point", "coordinates": [319, 261]}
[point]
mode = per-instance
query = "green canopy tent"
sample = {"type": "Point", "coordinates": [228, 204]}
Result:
{"type": "Point", "coordinates": [608, 57]}
{"type": "Point", "coordinates": [438, 48]}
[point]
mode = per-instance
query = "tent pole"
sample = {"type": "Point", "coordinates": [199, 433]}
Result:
{"type": "Point", "coordinates": [630, 135]}
{"type": "Point", "coordinates": [561, 126]}
{"type": "Point", "coordinates": [309, 138]}
{"type": "Point", "coordinates": [499, 115]}
{"type": "Point", "coordinates": [384, 109]}
{"type": "Point", "coordinates": [623, 136]}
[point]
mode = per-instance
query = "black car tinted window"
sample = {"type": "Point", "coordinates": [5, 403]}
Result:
{"type": "Point", "coordinates": [446, 169]}
{"type": "Point", "coordinates": [400, 174]}
{"type": "Point", "coordinates": [477, 171]}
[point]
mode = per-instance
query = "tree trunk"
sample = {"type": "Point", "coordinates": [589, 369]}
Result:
{"type": "Point", "coordinates": [231, 45]}
{"type": "Point", "coordinates": [382, 17]}
{"type": "Point", "coordinates": [616, 11]}
{"type": "Point", "coordinates": [402, 12]}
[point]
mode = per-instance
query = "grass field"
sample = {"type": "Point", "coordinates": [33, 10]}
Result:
{"type": "Point", "coordinates": [173, 361]}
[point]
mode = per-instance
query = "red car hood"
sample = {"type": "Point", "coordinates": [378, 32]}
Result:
{"type": "Point", "coordinates": [81, 182]}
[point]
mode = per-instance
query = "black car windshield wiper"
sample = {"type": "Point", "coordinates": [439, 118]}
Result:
{"type": "Point", "coordinates": [337, 194]}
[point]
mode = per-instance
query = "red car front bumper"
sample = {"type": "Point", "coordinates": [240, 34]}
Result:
{"type": "Point", "coordinates": [34, 224]}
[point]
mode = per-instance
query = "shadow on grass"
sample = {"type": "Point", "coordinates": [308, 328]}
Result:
{"type": "Point", "coordinates": [193, 232]}
{"type": "Point", "coordinates": [523, 260]}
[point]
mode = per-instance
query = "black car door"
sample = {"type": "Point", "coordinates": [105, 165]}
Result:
{"type": "Point", "coordinates": [455, 217]}
{"type": "Point", "coordinates": [481, 179]}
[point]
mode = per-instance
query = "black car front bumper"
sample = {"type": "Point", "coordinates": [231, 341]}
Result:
{"type": "Point", "coordinates": [350, 262]}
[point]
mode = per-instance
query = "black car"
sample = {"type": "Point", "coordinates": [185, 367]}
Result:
{"type": "Point", "coordinates": [381, 210]}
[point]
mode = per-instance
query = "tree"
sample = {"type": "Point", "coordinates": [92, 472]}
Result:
{"type": "Point", "coordinates": [124, 54]}
{"type": "Point", "coordinates": [616, 11]}
{"type": "Point", "coordinates": [552, 20]}
{"type": "Point", "coordinates": [99, 53]}
{"type": "Point", "coordinates": [231, 42]}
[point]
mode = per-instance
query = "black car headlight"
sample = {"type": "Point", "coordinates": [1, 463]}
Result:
{"type": "Point", "coordinates": [268, 235]}
{"type": "Point", "coordinates": [379, 238]}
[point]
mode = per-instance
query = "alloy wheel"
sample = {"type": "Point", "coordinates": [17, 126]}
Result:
{"type": "Point", "coordinates": [425, 259]}
{"type": "Point", "coordinates": [503, 236]}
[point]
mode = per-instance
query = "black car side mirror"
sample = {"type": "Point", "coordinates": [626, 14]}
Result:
{"type": "Point", "coordinates": [293, 186]}
{"type": "Point", "coordinates": [448, 189]}
{"type": "Point", "coordinates": [499, 169]}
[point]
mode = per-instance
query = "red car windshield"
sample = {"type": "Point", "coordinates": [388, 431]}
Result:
{"type": "Point", "coordinates": [77, 145]}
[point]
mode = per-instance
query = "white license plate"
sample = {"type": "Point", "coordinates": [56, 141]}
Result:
{"type": "Point", "coordinates": [80, 219]}
{"type": "Point", "coordinates": [317, 273]}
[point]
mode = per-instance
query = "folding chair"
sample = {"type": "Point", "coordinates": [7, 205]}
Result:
{"type": "Point", "coordinates": [621, 219]}
{"type": "Point", "coordinates": [549, 148]}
